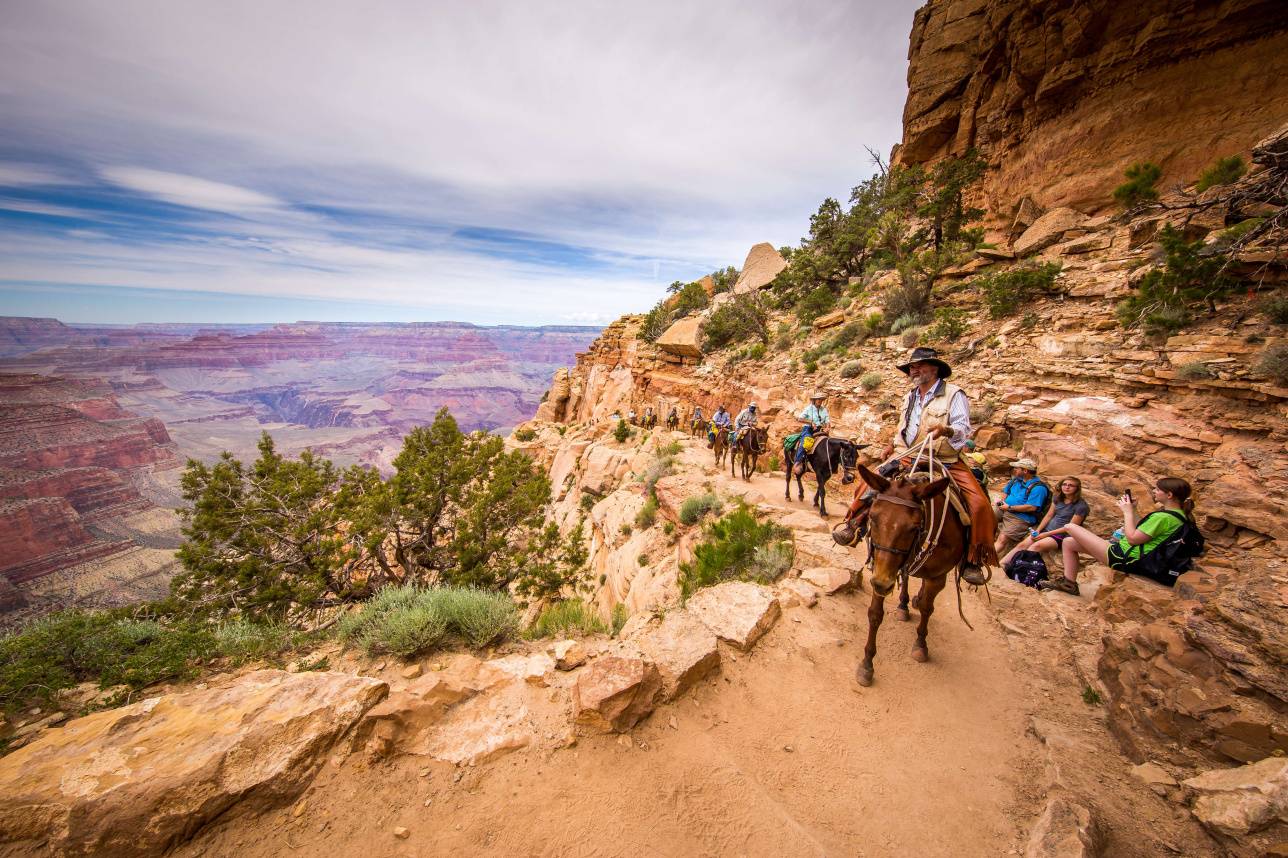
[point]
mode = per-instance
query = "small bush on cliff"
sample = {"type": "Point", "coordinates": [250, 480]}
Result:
{"type": "Point", "coordinates": [525, 434]}
{"type": "Point", "coordinates": [691, 298]}
{"type": "Point", "coordinates": [742, 318]}
{"type": "Point", "coordinates": [1274, 364]}
{"type": "Point", "coordinates": [738, 547]}
{"type": "Point", "coordinates": [569, 618]}
{"type": "Point", "coordinates": [870, 381]}
{"type": "Point", "coordinates": [647, 516]}
{"type": "Point", "coordinates": [852, 369]}
{"type": "Point", "coordinates": [410, 619]}
{"type": "Point", "coordinates": [1224, 172]}
{"type": "Point", "coordinates": [622, 431]}
{"type": "Point", "coordinates": [696, 507]}
{"type": "Point", "coordinates": [724, 279]}
{"type": "Point", "coordinates": [1164, 299]}
{"type": "Point", "coordinates": [1276, 308]}
{"type": "Point", "coordinates": [950, 324]}
{"type": "Point", "coordinates": [816, 302]}
{"type": "Point", "coordinates": [1008, 292]}
{"type": "Point", "coordinates": [1140, 187]}
{"type": "Point", "coordinates": [1196, 371]}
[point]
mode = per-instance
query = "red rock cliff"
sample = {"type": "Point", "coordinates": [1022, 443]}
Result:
{"type": "Point", "coordinates": [1062, 96]}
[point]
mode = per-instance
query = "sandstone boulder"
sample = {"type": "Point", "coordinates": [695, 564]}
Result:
{"type": "Point", "coordinates": [568, 655]}
{"type": "Point", "coordinates": [829, 320]}
{"type": "Point", "coordinates": [1047, 230]}
{"type": "Point", "coordinates": [762, 265]}
{"type": "Point", "coordinates": [532, 668]}
{"type": "Point", "coordinates": [793, 592]}
{"type": "Point", "coordinates": [1065, 829]}
{"type": "Point", "coordinates": [614, 693]}
{"type": "Point", "coordinates": [683, 649]}
{"type": "Point", "coordinates": [829, 579]}
{"type": "Point", "coordinates": [683, 338]}
{"type": "Point", "coordinates": [1243, 800]}
{"type": "Point", "coordinates": [738, 612]}
{"type": "Point", "coordinates": [556, 401]}
{"type": "Point", "coordinates": [139, 779]}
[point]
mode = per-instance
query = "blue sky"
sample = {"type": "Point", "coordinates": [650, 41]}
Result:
{"type": "Point", "coordinates": [493, 162]}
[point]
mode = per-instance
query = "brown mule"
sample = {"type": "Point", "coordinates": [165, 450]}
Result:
{"type": "Point", "coordinates": [901, 514]}
{"type": "Point", "coordinates": [721, 445]}
{"type": "Point", "coordinates": [750, 444]}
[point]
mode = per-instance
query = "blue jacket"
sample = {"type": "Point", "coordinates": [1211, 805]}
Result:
{"type": "Point", "coordinates": [1021, 493]}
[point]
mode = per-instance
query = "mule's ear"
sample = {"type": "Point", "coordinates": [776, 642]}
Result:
{"type": "Point", "coordinates": [873, 479]}
{"type": "Point", "coordinates": [926, 491]}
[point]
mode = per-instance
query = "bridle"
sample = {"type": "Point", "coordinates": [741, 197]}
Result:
{"type": "Point", "coordinates": [929, 529]}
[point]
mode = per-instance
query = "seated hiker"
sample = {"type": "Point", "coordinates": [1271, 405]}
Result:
{"type": "Point", "coordinates": [719, 420]}
{"type": "Point", "coordinates": [934, 408]}
{"type": "Point", "coordinates": [975, 461]}
{"type": "Point", "coordinates": [814, 420]}
{"type": "Point", "coordinates": [745, 420]}
{"type": "Point", "coordinates": [1025, 500]}
{"type": "Point", "coordinates": [1130, 548]}
{"type": "Point", "coordinates": [1068, 507]}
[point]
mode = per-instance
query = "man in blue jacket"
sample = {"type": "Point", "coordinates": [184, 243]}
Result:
{"type": "Point", "coordinates": [1025, 496]}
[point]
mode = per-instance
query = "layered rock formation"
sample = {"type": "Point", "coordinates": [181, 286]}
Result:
{"type": "Point", "coordinates": [1062, 96]}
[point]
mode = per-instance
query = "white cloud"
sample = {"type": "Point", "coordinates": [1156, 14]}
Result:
{"type": "Point", "coordinates": [190, 191]}
{"type": "Point", "coordinates": [31, 207]}
{"type": "Point", "coordinates": [15, 174]}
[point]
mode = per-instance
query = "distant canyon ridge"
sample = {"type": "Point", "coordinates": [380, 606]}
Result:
{"type": "Point", "coordinates": [97, 421]}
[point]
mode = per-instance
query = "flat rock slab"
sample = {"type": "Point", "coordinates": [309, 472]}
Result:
{"type": "Point", "coordinates": [829, 579]}
{"type": "Point", "coordinates": [738, 612]}
{"type": "Point", "coordinates": [139, 779]}
{"type": "Point", "coordinates": [1243, 800]}
{"type": "Point", "coordinates": [613, 693]}
{"type": "Point", "coordinates": [1065, 829]}
{"type": "Point", "coordinates": [683, 649]}
{"type": "Point", "coordinates": [793, 592]}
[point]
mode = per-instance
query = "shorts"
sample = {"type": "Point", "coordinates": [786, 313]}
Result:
{"type": "Point", "coordinates": [1014, 527]}
{"type": "Point", "coordinates": [1120, 562]}
{"type": "Point", "coordinates": [1058, 537]}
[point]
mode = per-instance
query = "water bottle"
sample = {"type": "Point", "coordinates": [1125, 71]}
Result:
{"type": "Point", "coordinates": [1118, 534]}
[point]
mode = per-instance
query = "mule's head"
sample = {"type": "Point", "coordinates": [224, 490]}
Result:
{"type": "Point", "coordinates": [895, 523]}
{"type": "Point", "coordinates": [849, 460]}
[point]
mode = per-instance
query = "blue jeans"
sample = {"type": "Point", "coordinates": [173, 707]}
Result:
{"type": "Point", "coordinates": [807, 432]}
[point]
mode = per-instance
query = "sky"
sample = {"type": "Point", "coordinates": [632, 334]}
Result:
{"type": "Point", "coordinates": [492, 162]}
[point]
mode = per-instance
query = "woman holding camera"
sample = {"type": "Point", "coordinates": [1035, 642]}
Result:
{"type": "Point", "coordinates": [1124, 550]}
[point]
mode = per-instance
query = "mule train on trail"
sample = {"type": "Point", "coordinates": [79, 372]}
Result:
{"type": "Point", "coordinates": [747, 448]}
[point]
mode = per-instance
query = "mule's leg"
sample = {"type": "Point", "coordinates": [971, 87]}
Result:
{"type": "Point", "coordinates": [787, 491]}
{"type": "Point", "coordinates": [930, 588]}
{"type": "Point", "coordinates": [902, 611]}
{"type": "Point", "coordinates": [822, 494]}
{"type": "Point", "coordinates": [876, 613]}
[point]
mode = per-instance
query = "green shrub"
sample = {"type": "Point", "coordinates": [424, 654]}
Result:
{"type": "Point", "coordinates": [661, 467]}
{"type": "Point", "coordinates": [620, 616]}
{"type": "Point", "coordinates": [1276, 308]}
{"type": "Point", "coordinates": [871, 381]}
{"type": "Point", "coordinates": [696, 507]}
{"type": "Point", "coordinates": [1229, 236]}
{"type": "Point", "coordinates": [738, 547]}
{"type": "Point", "coordinates": [1006, 292]}
{"type": "Point", "coordinates": [241, 640]}
{"type": "Point", "coordinates": [1195, 371]}
{"type": "Point", "coordinates": [908, 298]}
{"type": "Point", "coordinates": [742, 318]}
{"type": "Point", "coordinates": [874, 323]}
{"type": "Point", "coordinates": [410, 619]}
{"type": "Point", "coordinates": [851, 369]}
{"type": "Point", "coordinates": [656, 321]}
{"type": "Point", "coordinates": [903, 323]}
{"type": "Point", "coordinates": [625, 529]}
{"type": "Point", "coordinates": [587, 501]}
{"type": "Point", "coordinates": [671, 449]}
{"type": "Point", "coordinates": [566, 619]}
{"type": "Point", "coordinates": [691, 298]}
{"type": "Point", "coordinates": [1274, 364]}
{"type": "Point", "coordinates": [1142, 177]}
{"type": "Point", "coordinates": [668, 528]}
{"type": "Point", "coordinates": [1224, 172]}
{"type": "Point", "coordinates": [1164, 297]}
{"type": "Point", "coordinates": [950, 324]}
{"type": "Point", "coordinates": [647, 516]}
{"type": "Point", "coordinates": [853, 333]}
{"type": "Point", "coordinates": [622, 432]}
{"type": "Point", "coordinates": [817, 302]}
{"type": "Point", "coordinates": [810, 367]}
{"type": "Point", "coordinates": [525, 434]}
{"type": "Point", "coordinates": [756, 351]}
{"type": "Point", "coordinates": [108, 647]}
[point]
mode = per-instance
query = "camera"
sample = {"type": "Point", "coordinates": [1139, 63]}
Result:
{"type": "Point", "coordinates": [1127, 492]}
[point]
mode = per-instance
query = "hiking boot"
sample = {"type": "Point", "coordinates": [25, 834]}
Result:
{"type": "Point", "coordinates": [973, 575]}
{"type": "Point", "coordinates": [851, 533]}
{"type": "Point", "coordinates": [1061, 584]}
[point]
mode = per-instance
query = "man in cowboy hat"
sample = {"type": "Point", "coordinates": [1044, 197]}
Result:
{"type": "Point", "coordinates": [1023, 500]}
{"type": "Point", "coordinates": [935, 408]}
{"type": "Point", "coordinates": [814, 420]}
{"type": "Point", "coordinates": [745, 420]}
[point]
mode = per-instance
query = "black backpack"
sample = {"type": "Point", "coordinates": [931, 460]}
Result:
{"type": "Point", "coordinates": [1028, 568]}
{"type": "Point", "coordinates": [1173, 557]}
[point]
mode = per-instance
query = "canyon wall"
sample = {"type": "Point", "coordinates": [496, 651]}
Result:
{"type": "Point", "coordinates": [1062, 96]}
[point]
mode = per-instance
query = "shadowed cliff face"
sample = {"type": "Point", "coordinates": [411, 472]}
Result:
{"type": "Point", "coordinates": [1062, 96]}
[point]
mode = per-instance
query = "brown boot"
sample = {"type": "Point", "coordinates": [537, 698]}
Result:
{"type": "Point", "coordinates": [852, 531]}
{"type": "Point", "coordinates": [974, 575]}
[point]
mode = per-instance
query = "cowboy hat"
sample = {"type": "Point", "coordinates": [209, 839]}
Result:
{"type": "Point", "coordinates": [818, 394]}
{"type": "Point", "coordinates": [1026, 464]}
{"type": "Point", "coordinates": [922, 354]}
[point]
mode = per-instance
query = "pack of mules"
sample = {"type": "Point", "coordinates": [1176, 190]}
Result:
{"type": "Point", "coordinates": [826, 457]}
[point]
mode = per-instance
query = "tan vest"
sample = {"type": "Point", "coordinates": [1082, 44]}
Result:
{"type": "Point", "coordinates": [934, 413]}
